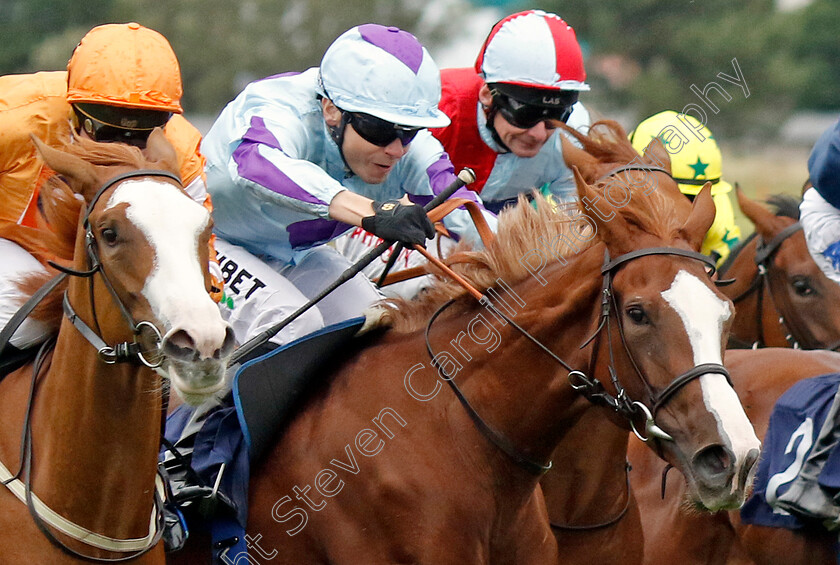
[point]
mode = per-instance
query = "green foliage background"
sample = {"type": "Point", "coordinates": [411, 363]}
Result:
{"type": "Point", "coordinates": [791, 60]}
{"type": "Point", "coordinates": [220, 44]}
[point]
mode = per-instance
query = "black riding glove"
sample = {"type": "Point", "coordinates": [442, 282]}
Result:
{"type": "Point", "coordinates": [394, 221]}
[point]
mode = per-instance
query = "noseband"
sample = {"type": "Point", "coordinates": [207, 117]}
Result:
{"type": "Point", "coordinates": [593, 390]}
{"type": "Point", "coordinates": [590, 387]}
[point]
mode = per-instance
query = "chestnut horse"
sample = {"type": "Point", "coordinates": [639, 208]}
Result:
{"type": "Point", "coordinates": [591, 507]}
{"type": "Point", "coordinates": [676, 533]}
{"type": "Point", "coordinates": [800, 309]}
{"type": "Point", "coordinates": [781, 296]}
{"type": "Point", "coordinates": [593, 512]}
{"type": "Point", "coordinates": [385, 465]}
{"type": "Point", "coordinates": [80, 428]}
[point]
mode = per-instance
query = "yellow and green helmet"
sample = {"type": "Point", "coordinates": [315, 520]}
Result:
{"type": "Point", "coordinates": [695, 155]}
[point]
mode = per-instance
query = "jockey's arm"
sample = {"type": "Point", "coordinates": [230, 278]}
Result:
{"type": "Point", "coordinates": [428, 172]}
{"type": "Point", "coordinates": [820, 207]}
{"type": "Point", "coordinates": [350, 208]}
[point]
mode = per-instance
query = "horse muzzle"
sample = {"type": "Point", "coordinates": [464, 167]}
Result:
{"type": "Point", "coordinates": [721, 479]}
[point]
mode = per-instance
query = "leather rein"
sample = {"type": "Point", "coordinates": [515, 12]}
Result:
{"type": "Point", "coordinates": [140, 351]}
{"type": "Point", "coordinates": [589, 387]}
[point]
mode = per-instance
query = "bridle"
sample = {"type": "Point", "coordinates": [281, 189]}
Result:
{"type": "Point", "coordinates": [137, 352]}
{"type": "Point", "coordinates": [590, 387]}
{"type": "Point", "coordinates": [765, 255]}
{"type": "Point", "coordinates": [134, 351]}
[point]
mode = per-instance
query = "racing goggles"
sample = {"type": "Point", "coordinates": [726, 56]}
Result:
{"type": "Point", "coordinates": [525, 116]}
{"type": "Point", "coordinates": [378, 131]}
{"type": "Point", "coordinates": [108, 124]}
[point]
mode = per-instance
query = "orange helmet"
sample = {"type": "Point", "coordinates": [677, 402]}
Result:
{"type": "Point", "coordinates": [125, 65]}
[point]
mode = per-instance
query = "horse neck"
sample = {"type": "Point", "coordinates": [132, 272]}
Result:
{"type": "Point", "coordinates": [96, 427]}
{"type": "Point", "coordinates": [518, 389]}
{"type": "Point", "coordinates": [587, 484]}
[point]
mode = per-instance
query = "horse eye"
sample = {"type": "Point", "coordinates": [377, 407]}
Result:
{"type": "Point", "coordinates": [637, 315]}
{"type": "Point", "coordinates": [802, 286]}
{"type": "Point", "coordinates": [109, 236]}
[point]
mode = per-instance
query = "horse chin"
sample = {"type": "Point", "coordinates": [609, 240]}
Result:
{"type": "Point", "coordinates": [711, 501]}
{"type": "Point", "coordinates": [718, 488]}
{"type": "Point", "coordinates": [197, 382]}
{"type": "Point", "coordinates": [707, 498]}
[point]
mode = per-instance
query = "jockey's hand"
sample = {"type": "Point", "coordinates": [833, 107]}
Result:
{"type": "Point", "coordinates": [395, 221]}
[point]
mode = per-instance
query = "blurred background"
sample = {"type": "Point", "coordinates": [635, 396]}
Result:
{"type": "Point", "coordinates": [642, 56]}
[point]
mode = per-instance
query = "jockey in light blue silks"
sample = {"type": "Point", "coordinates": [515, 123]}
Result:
{"type": "Point", "coordinates": [298, 159]}
{"type": "Point", "coordinates": [820, 219]}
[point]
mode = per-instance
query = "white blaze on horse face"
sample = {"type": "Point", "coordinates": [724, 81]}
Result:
{"type": "Point", "coordinates": [703, 315]}
{"type": "Point", "coordinates": [172, 223]}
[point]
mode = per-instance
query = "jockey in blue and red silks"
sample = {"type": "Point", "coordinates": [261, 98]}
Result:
{"type": "Point", "coordinates": [529, 72]}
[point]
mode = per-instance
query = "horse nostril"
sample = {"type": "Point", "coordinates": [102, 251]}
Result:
{"type": "Point", "coordinates": [749, 462]}
{"type": "Point", "coordinates": [180, 345]}
{"type": "Point", "coordinates": [714, 463]}
{"type": "Point", "coordinates": [182, 339]}
{"type": "Point", "coordinates": [227, 345]}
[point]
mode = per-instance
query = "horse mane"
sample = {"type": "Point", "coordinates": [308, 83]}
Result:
{"type": "Point", "coordinates": [527, 226]}
{"type": "Point", "coordinates": [58, 217]}
{"type": "Point", "coordinates": [606, 141]}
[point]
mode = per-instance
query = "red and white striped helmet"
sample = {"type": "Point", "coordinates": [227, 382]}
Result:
{"type": "Point", "coordinates": [533, 49]}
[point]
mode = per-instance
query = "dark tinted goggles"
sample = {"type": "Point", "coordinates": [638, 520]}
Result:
{"type": "Point", "coordinates": [107, 124]}
{"type": "Point", "coordinates": [525, 116]}
{"type": "Point", "coordinates": [378, 131]}
{"type": "Point", "coordinates": [106, 134]}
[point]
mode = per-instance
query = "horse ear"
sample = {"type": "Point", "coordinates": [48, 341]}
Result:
{"type": "Point", "coordinates": [700, 219]}
{"type": "Point", "coordinates": [159, 150]}
{"type": "Point", "coordinates": [576, 157]}
{"type": "Point", "coordinates": [610, 226]}
{"type": "Point", "coordinates": [80, 171]}
{"type": "Point", "coordinates": [656, 154]}
{"type": "Point", "coordinates": [766, 223]}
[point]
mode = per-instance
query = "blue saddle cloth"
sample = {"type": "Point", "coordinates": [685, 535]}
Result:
{"type": "Point", "coordinates": [794, 425]}
{"type": "Point", "coordinates": [266, 392]}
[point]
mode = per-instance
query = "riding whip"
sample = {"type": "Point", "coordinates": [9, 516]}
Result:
{"type": "Point", "coordinates": [466, 176]}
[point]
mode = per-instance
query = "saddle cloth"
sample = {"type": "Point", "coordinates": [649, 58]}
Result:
{"type": "Point", "coordinates": [267, 391]}
{"type": "Point", "coordinates": [794, 425]}
{"type": "Point", "coordinates": [13, 359]}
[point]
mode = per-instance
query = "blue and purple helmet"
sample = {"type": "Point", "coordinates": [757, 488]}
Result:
{"type": "Point", "coordinates": [384, 72]}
